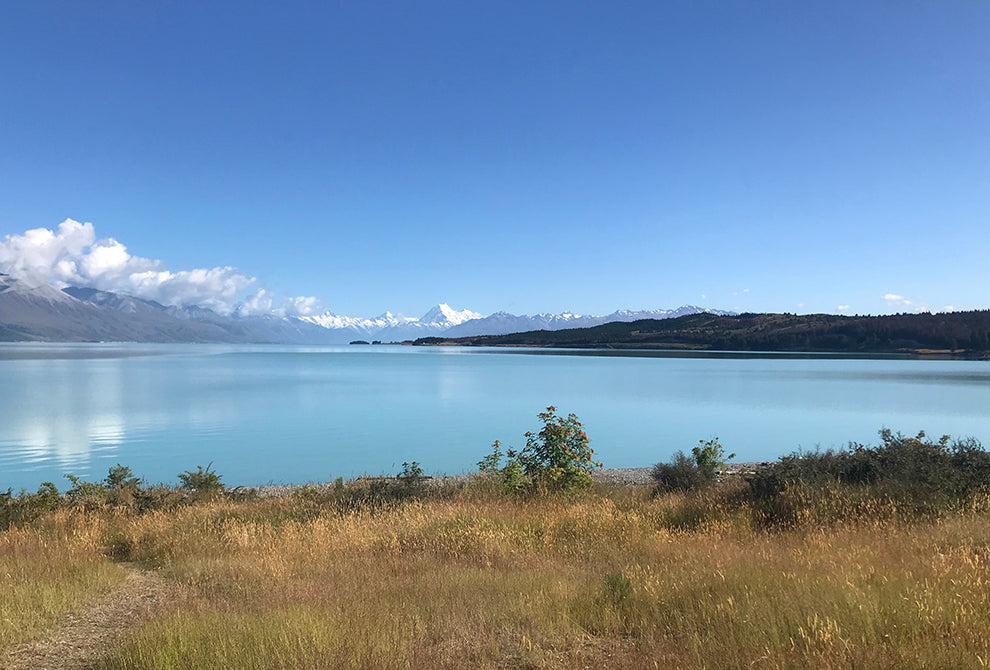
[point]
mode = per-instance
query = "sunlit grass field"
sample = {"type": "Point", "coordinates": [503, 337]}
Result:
{"type": "Point", "coordinates": [606, 578]}
{"type": "Point", "coordinates": [53, 565]}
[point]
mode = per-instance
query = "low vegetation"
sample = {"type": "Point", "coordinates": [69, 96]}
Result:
{"type": "Point", "coordinates": [557, 458]}
{"type": "Point", "coordinates": [871, 557]}
{"type": "Point", "coordinates": [691, 474]}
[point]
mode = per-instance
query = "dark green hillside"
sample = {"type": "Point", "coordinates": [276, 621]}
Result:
{"type": "Point", "coordinates": [962, 334]}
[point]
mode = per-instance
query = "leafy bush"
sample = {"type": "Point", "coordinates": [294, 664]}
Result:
{"type": "Point", "coordinates": [491, 465]}
{"type": "Point", "coordinates": [509, 477]}
{"type": "Point", "coordinates": [691, 474]}
{"type": "Point", "coordinates": [411, 480]}
{"type": "Point", "coordinates": [680, 474]}
{"type": "Point", "coordinates": [616, 588]}
{"type": "Point", "coordinates": [958, 467]}
{"type": "Point", "coordinates": [47, 497]}
{"type": "Point", "coordinates": [119, 489]}
{"type": "Point", "coordinates": [25, 507]}
{"type": "Point", "coordinates": [201, 480]}
{"type": "Point", "coordinates": [412, 474]}
{"type": "Point", "coordinates": [82, 489]}
{"type": "Point", "coordinates": [913, 475]}
{"type": "Point", "coordinates": [558, 457]}
{"type": "Point", "coordinates": [709, 456]}
{"type": "Point", "coordinates": [120, 477]}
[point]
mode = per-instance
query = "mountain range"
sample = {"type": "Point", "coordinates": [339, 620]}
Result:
{"type": "Point", "coordinates": [32, 311]}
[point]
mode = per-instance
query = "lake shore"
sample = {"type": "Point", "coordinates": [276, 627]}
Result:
{"type": "Point", "coordinates": [607, 476]}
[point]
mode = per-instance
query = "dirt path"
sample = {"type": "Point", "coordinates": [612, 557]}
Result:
{"type": "Point", "coordinates": [81, 639]}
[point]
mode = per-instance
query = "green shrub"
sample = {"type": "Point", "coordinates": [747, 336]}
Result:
{"type": "Point", "coordinates": [47, 498]}
{"type": "Point", "coordinates": [509, 477]}
{"type": "Point", "coordinates": [710, 456]}
{"type": "Point", "coordinates": [120, 477]}
{"type": "Point", "coordinates": [201, 480]}
{"type": "Point", "coordinates": [26, 507]}
{"type": "Point", "coordinates": [616, 588]}
{"type": "Point", "coordinates": [491, 465]}
{"type": "Point", "coordinates": [411, 481]}
{"type": "Point", "coordinates": [956, 467]}
{"type": "Point", "coordinates": [680, 474]}
{"type": "Point", "coordinates": [150, 498]}
{"type": "Point", "coordinates": [912, 475]}
{"type": "Point", "coordinates": [82, 489]}
{"type": "Point", "coordinates": [691, 474]}
{"type": "Point", "coordinates": [412, 474]}
{"type": "Point", "coordinates": [558, 457]}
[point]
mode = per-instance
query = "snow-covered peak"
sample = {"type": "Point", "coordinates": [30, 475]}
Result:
{"type": "Point", "coordinates": [444, 314]}
{"type": "Point", "coordinates": [332, 321]}
{"type": "Point", "coordinates": [388, 319]}
{"type": "Point", "coordinates": [443, 319]}
{"type": "Point", "coordinates": [35, 289]}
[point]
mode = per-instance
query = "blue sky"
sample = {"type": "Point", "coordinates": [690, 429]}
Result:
{"type": "Point", "coordinates": [525, 156]}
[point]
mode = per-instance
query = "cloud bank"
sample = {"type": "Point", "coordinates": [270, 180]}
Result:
{"type": "Point", "coordinates": [899, 302]}
{"type": "Point", "coordinates": [73, 256]}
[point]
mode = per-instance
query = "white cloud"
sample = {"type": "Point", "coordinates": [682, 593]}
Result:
{"type": "Point", "coordinates": [895, 301]}
{"type": "Point", "coordinates": [948, 308]}
{"type": "Point", "coordinates": [73, 256]}
{"type": "Point", "coordinates": [301, 306]}
{"type": "Point", "coordinates": [42, 254]}
{"type": "Point", "coordinates": [842, 308]}
{"type": "Point", "coordinates": [745, 290]}
{"type": "Point", "coordinates": [259, 303]}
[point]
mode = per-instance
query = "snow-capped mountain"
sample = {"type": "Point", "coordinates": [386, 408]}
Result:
{"type": "Point", "coordinates": [33, 311]}
{"type": "Point", "coordinates": [391, 328]}
{"type": "Point", "coordinates": [333, 322]}
{"type": "Point", "coordinates": [444, 315]}
{"type": "Point", "coordinates": [503, 323]}
{"type": "Point", "coordinates": [446, 321]}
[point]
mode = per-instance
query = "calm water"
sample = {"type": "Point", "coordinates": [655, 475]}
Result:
{"type": "Point", "coordinates": [299, 414]}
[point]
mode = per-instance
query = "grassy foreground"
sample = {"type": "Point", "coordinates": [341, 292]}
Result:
{"type": "Point", "coordinates": [476, 578]}
{"type": "Point", "coordinates": [52, 565]}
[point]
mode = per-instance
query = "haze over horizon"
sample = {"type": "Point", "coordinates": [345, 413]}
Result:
{"type": "Point", "coordinates": [539, 157]}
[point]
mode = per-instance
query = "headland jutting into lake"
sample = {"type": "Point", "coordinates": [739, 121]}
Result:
{"type": "Point", "coordinates": [943, 335]}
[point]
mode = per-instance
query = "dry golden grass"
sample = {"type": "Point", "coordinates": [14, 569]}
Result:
{"type": "Point", "coordinates": [494, 582]}
{"type": "Point", "coordinates": [54, 565]}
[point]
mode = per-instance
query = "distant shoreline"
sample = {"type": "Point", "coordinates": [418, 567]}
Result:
{"type": "Point", "coordinates": [947, 335]}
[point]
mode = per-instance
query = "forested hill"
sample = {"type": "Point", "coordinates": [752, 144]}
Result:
{"type": "Point", "coordinates": [964, 334]}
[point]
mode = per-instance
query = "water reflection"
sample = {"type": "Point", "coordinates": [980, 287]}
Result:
{"type": "Point", "coordinates": [299, 414]}
{"type": "Point", "coordinates": [60, 411]}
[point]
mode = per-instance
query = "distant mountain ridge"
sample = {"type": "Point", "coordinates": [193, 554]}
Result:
{"type": "Point", "coordinates": [503, 323]}
{"type": "Point", "coordinates": [40, 312]}
{"type": "Point", "coordinates": [945, 335]}
{"type": "Point", "coordinates": [390, 328]}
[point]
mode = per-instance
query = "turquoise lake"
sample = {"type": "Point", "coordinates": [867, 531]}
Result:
{"type": "Point", "coordinates": [303, 414]}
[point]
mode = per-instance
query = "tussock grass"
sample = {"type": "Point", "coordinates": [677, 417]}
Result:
{"type": "Point", "coordinates": [479, 579]}
{"type": "Point", "coordinates": [49, 567]}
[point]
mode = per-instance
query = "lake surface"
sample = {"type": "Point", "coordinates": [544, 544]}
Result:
{"type": "Point", "coordinates": [300, 414]}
